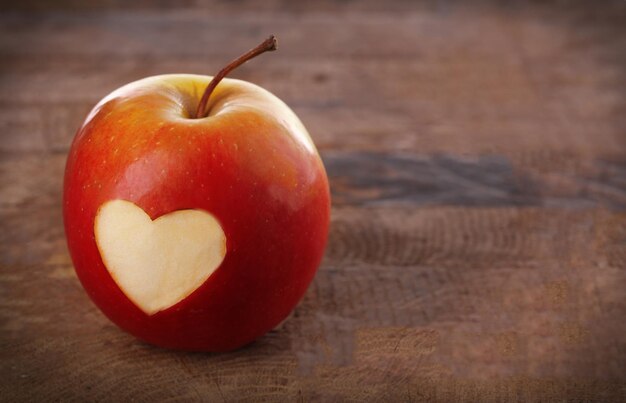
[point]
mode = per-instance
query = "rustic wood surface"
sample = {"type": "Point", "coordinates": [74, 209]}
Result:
{"type": "Point", "coordinates": [477, 157]}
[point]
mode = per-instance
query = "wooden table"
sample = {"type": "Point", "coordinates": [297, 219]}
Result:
{"type": "Point", "coordinates": [477, 157]}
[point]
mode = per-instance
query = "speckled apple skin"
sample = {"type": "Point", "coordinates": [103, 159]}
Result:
{"type": "Point", "coordinates": [250, 163]}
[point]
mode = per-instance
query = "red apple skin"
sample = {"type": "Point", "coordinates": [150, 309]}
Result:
{"type": "Point", "coordinates": [248, 166]}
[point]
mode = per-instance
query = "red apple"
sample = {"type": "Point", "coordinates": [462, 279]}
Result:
{"type": "Point", "coordinates": [196, 214]}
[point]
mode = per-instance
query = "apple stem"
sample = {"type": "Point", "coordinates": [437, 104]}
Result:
{"type": "Point", "coordinates": [267, 45]}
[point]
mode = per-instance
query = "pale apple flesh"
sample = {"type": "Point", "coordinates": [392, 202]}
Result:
{"type": "Point", "coordinates": [158, 263]}
{"type": "Point", "coordinates": [250, 165]}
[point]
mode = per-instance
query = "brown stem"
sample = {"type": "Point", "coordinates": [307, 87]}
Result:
{"type": "Point", "coordinates": [267, 45]}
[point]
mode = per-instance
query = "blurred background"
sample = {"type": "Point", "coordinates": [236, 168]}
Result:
{"type": "Point", "coordinates": [477, 158]}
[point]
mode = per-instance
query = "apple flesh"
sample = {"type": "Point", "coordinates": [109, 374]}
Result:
{"type": "Point", "coordinates": [197, 234]}
{"type": "Point", "coordinates": [158, 263]}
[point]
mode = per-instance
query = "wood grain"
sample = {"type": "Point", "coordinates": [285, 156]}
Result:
{"type": "Point", "coordinates": [477, 158]}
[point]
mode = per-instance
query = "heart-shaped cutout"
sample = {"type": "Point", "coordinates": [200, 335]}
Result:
{"type": "Point", "coordinates": [158, 263]}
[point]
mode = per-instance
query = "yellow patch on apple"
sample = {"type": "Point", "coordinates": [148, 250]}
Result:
{"type": "Point", "coordinates": [158, 263]}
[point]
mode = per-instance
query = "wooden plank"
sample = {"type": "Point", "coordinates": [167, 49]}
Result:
{"type": "Point", "coordinates": [477, 160]}
{"type": "Point", "coordinates": [403, 297]}
{"type": "Point", "coordinates": [513, 292]}
{"type": "Point", "coordinates": [325, 6]}
{"type": "Point", "coordinates": [396, 179]}
{"type": "Point", "coordinates": [491, 180]}
{"type": "Point", "coordinates": [347, 120]}
{"type": "Point", "coordinates": [393, 93]}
